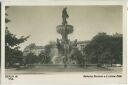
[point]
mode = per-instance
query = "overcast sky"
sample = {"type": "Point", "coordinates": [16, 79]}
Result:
{"type": "Point", "coordinates": [40, 22]}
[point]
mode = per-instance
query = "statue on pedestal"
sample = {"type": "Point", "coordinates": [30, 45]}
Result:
{"type": "Point", "coordinates": [64, 16]}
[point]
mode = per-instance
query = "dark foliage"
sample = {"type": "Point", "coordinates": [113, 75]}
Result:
{"type": "Point", "coordinates": [31, 59]}
{"type": "Point", "coordinates": [105, 49]}
{"type": "Point", "coordinates": [12, 52]}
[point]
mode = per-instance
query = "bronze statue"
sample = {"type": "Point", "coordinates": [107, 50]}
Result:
{"type": "Point", "coordinates": [64, 16]}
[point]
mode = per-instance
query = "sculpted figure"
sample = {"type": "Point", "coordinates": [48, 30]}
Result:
{"type": "Point", "coordinates": [64, 16]}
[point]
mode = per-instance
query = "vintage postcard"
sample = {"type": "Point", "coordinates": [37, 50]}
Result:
{"type": "Point", "coordinates": [57, 44]}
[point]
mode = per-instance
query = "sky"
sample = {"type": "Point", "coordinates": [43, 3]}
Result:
{"type": "Point", "coordinates": [40, 22]}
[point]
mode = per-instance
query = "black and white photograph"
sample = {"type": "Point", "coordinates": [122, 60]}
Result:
{"type": "Point", "coordinates": [64, 43]}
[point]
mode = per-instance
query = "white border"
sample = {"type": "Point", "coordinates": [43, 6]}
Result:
{"type": "Point", "coordinates": [62, 0]}
{"type": "Point", "coordinates": [61, 3]}
{"type": "Point", "coordinates": [2, 42]}
{"type": "Point", "coordinates": [125, 41]}
{"type": "Point", "coordinates": [56, 3]}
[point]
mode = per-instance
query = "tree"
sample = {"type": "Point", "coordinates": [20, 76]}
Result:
{"type": "Point", "coordinates": [12, 41]}
{"type": "Point", "coordinates": [31, 46]}
{"type": "Point", "coordinates": [12, 52]}
{"type": "Point", "coordinates": [117, 49]}
{"type": "Point", "coordinates": [29, 49]}
{"type": "Point", "coordinates": [47, 52]}
{"type": "Point", "coordinates": [105, 49]}
{"type": "Point", "coordinates": [30, 59]}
